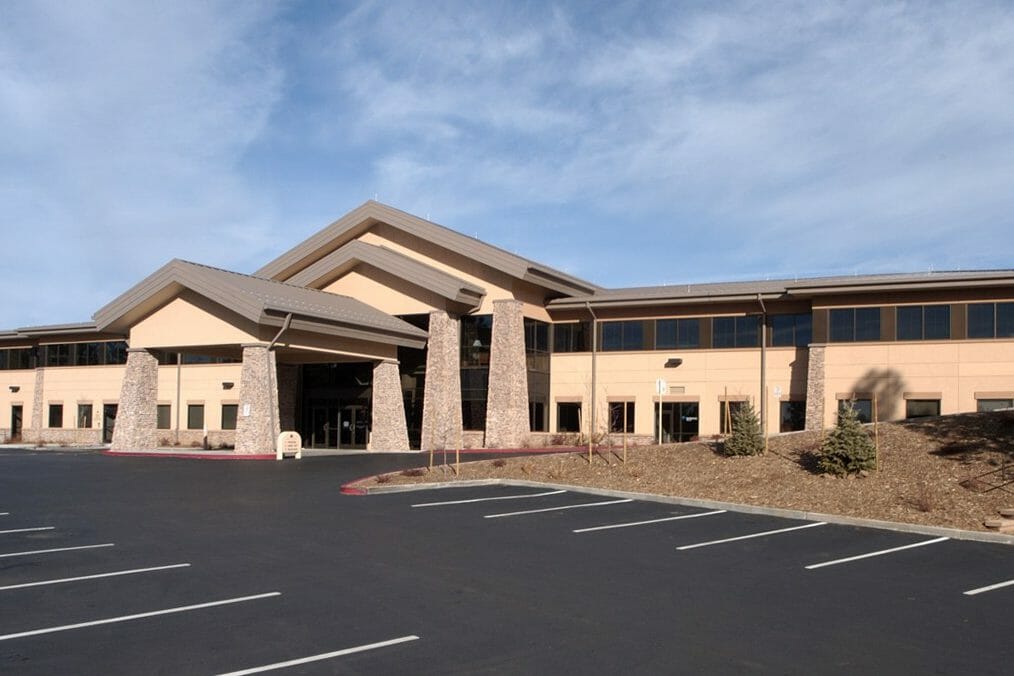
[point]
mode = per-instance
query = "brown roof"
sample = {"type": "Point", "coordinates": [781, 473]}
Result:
{"type": "Point", "coordinates": [789, 288]}
{"type": "Point", "coordinates": [263, 301]}
{"type": "Point", "coordinates": [362, 218]}
{"type": "Point", "coordinates": [355, 252]}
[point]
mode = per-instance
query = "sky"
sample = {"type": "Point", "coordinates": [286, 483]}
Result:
{"type": "Point", "coordinates": [628, 143]}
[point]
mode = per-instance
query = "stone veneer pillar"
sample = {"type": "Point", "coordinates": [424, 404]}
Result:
{"type": "Point", "coordinates": [33, 434]}
{"type": "Point", "coordinates": [815, 388]}
{"type": "Point", "coordinates": [389, 429]}
{"type": "Point", "coordinates": [137, 412]}
{"type": "Point", "coordinates": [442, 396]}
{"type": "Point", "coordinates": [507, 403]}
{"type": "Point", "coordinates": [257, 427]}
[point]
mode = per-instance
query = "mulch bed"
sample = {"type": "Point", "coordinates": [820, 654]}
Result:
{"type": "Point", "coordinates": [931, 472]}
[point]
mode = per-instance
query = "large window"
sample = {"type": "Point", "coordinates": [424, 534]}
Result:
{"type": "Point", "coordinates": [617, 411]}
{"type": "Point", "coordinates": [623, 336]}
{"type": "Point", "coordinates": [677, 333]}
{"type": "Point", "coordinates": [855, 324]}
{"type": "Point", "coordinates": [195, 416]}
{"type": "Point", "coordinates": [573, 337]}
{"type": "Point", "coordinates": [56, 415]}
{"type": "Point", "coordinates": [85, 354]}
{"type": "Point", "coordinates": [792, 416]}
{"type": "Point", "coordinates": [735, 331]}
{"type": "Point", "coordinates": [163, 417]}
{"type": "Point", "coordinates": [16, 358]}
{"type": "Point", "coordinates": [537, 358]}
{"type": "Point", "coordinates": [991, 320]}
{"type": "Point", "coordinates": [791, 330]}
{"type": "Point", "coordinates": [229, 413]}
{"type": "Point", "coordinates": [924, 322]}
{"type": "Point", "coordinates": [568, 416]}
{"type": "Point", "coordinates": [84, 416]}
{"type": "Point", "coordinates": [922, 408]}
{"type": "Point", "coordinates": [987, 405]}
{"type": "Point", "coordinates": [863, 408]}
{"type": "Point", "coordinates": [476, 338]}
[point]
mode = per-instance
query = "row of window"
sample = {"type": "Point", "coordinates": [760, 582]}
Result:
{"type": "Point", "coordinates": [921, 322]}
{"type": "Point", "coordinates": [195, 416]}
{"type": "Point", "coordinates": [679, 419]}
{"type": "Point", "coordinates": [99, 353]}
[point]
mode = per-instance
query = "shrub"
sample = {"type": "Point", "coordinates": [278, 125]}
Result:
{"type": "Point", "coordinates": [847, 449]}
{"type": "Point", "coordinates": [414, 471]}
{"type": "Point", "coordinates": [746, 437]}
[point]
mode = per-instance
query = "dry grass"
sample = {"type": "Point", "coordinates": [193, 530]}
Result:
{"type": "Point", "coordinates": [930, 472]}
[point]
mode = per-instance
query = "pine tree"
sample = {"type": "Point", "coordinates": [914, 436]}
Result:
{"type": "Point", "coordinates": [847, 449]}
{"type": "Point", "coordinates": [746, 437]}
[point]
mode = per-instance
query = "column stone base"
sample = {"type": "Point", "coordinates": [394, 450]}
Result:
{"type": "Point", "coordinates": [507, 423]}
{"type": "Point", "coordinates": [137, 414]}
{"type": "Point", "coordinates": [389, 429]}
{"type": "Point", "coordinates": [257, 425]}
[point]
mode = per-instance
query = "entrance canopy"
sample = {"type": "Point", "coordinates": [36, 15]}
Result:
{"type": "Point", "coordinates": [184, 304]}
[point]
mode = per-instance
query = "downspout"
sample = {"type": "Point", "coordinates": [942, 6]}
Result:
{"type": "Point", "coordinates": [595, 336]}
{"type": "Point", "coordinates": [272, 380]}
{"type": "Point", "coordinates": [763, 368]}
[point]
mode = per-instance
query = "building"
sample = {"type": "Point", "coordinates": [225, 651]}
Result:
{"type": "Point", "coordinates": [386, 331]}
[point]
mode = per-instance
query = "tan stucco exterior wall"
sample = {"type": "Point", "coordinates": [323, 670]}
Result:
{"type": "Point", "coordinates": [189, 321]}
{"type": "Point", "coordinates": [24, 380]}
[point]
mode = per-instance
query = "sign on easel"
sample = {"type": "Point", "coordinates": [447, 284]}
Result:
{"type": "Point", "coordinates": [290, 444]}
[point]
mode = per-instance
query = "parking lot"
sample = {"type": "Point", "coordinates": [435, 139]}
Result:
{"type": "Point", "coordinates": [125, 565]}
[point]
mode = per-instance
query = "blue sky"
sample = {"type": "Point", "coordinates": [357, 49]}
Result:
{"type": "Point", "coordinates": [629, 143]}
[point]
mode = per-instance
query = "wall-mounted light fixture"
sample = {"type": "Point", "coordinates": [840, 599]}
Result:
{"type": "Point", "coordinates": [673, 363]}
{"type": "Point", "coordinates": [227, 385]}
{"type": "Point", "coordinates": [14, 388]}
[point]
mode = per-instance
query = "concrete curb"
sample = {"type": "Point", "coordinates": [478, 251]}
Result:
{"type": "Point", "coordinates": [939, 531]}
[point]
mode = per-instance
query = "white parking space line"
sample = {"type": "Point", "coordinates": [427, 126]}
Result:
{"type": "Point", "coordinates": [554, 509]}
{"type": "Point", "coordinates": [5, 513]}
{"type": "Point", "coordinates": [138, 616]}
{"type": "Point", "coordinates": [58, 549]}
{"type": "Point", "coordinates": [998, 585]}
{"type": "Point", "coordinates": [644, 523]}
{"type": "Point", "coordinates": [752, 535]}
{"type": "Point", "coordinates": [322, 656]}
{"type": "Point", "coordinates": [96, 576]}
{"type": "Point", "coordinates": [501, 497]}
{"type": "Point", "coordinates": [813, 566]}
{"type": "Point", "coordinates": [26, 530]}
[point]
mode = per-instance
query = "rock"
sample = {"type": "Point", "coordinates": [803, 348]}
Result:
{"type": "Point", "coordinates": [863, 473]}
{"type": "Point", "coordinates": [1007, 512]}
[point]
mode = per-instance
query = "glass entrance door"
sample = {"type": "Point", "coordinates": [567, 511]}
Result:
{"type": "Point", "coordinates": [680, 421]}
{"type": "Point", "coordinates": [108, 422]}
{"type": "Point", "coordinates": [324, 426]}
{"type": "Point", "coordinates": [17, 417]}
{"type": "Point", "coordinates": [353, 424]}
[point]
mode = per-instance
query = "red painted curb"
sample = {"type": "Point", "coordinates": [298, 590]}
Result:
{"type": "Point", "coordinates": [191, 456]}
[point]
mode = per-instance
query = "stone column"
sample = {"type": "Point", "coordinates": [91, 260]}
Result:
{"type": "Point", "coordinates": [815, 388]}
{"type": "Point", "coordinates": [257, 426]}
{"type": "Point", "coordinates": [33, 434]}
{"type": "Point", "coordinates": [137, 414]}
{"type": "Point", "coordinates": [389, 429]}
{"type": "Point", "coordinates": [507, 405]}
{"type": "Point", "coordinates": [442, 396]}
{"type": "Point", "coordinates": [288, 393]}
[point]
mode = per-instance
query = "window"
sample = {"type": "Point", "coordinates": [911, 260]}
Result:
{"type": "Point", "coordinates": [924, 322]}
{"type": "Point", "coordinates": [677, 333]}
{"type": "Point", "coordinates": [987, 405]}
{"type": "Point", "coordinates": [735, 331]}
{"type": "Point", "coordinates": [791, 330]}
{"type": "Point", "coordinates": [863, 408]}
{"type": "Point", "coordinates": [922, 408]}
{"type": "Point", "coordinates": [116, 353]}
{"type": "Point", "coordinates": [195, 416]}
{"type": "Point", "coordinates": [17, 358]}
{"type": "Point", "coordinates": [56, 415]}
{"type": "Point", "coordinates": [229, 413]}
{"type": "Point", "coordinates": [616, 413]}
{"type": "Point", "coordinates": [58, 355]}
{"type": "Point", "coordinates": [163, 417]}
{"type": "Point", "coordinates": [574, 337]}
{"type": "Point", "coordinates": [622, 336]}
{"type": "Point", "coordinates": [855, 324]}
{"type": "Point", "coordinates": [726, 417]}
{"type": "Point", "coordinates": [568, 416]}
{"type": "Point", "coordinates": [84, 416]}
{"type": "Point", "coordinates": [991, 320]}
{"type": "Point", "coordinates": [792, 416]}
{"type": "Point", "coordinates": [537, 416]}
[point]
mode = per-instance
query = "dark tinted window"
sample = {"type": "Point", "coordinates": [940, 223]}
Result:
{"type": "Point", "coordinates": [568, 417]}
{"type": "Point", "coordinates": [924, 322]}
{"type": "Point", "coordinates": [689, 333]}
{"type": "Point", "coordinates": [665, 334]}
{"type": "Point", "coordinates": [1005, 320]}
{"type": "Point", "coordinates": [910, 323]}
{"type": "Point", "coordinates": [195, 416]}
{"type": "Point", "coordinates": [980, 320]}
{"type": "Point", "coordinates": [574, 337]}
{"type": "Point", "coordinates": [56, 415]}
{"type": "Point", "coordinates": [922, 408]}
{"type": "Point", "coordinates": [229, 412]}
{"type": "Point", "coordinates": [868, 323]}
{"type": "Point", "coordinates": [791, 330]}
{"type": "Point", "coordinates": [852, 324]}
{"type": "Point", "coordinates": [623, 335]}
{"type": "Point", "coordinates": [792, 416]}
{"type": "Point", "coordinates": [84, 416]}
{"type": "Point", "coordinates": [616, 413]}
{"type": "Point", "coordinates": [163, 413]}
{"type": "Point", "coordinates": [863, 407]}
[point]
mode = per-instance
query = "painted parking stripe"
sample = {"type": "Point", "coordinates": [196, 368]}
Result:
{"type": "Point", "coordinates": [882, 552]}
{"type": "Point", "coordinates": [322, 656]}
{"type": "Point", "coordinates": [96, 576]}
{"type": "Point", "coordinates": [58, 549]}
{"type": "Point", "coordinates": [644, 523]}
{"type": "Point", "coordinates": [554, 509]}
{"type": "Point", "coordinates": [138, 616]}
{"type": "Point", "coordinates": [500, 497]}
{"type": "Point", "coordinates": [752, 535]}
{"type": "Point", "coordinates": [998, 585]}
{"type": "Point", "coordinates": [5, 513]}
{"type": "Point", "coordinates": [26, 530]}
